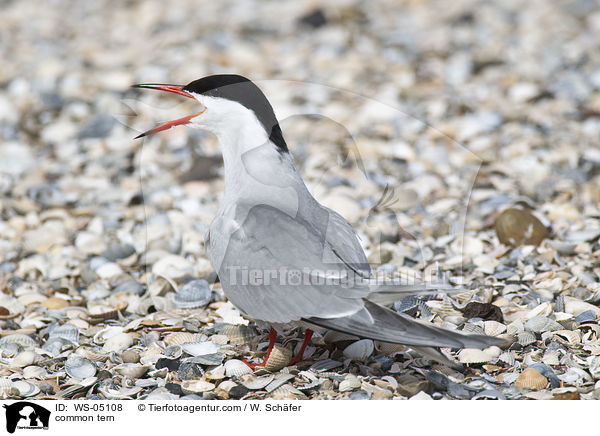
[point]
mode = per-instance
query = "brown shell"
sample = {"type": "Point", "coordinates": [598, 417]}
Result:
{"type": "Point", "coordinates": [517, 227]}
{"type": "Point", "coordinates": [531, 379]}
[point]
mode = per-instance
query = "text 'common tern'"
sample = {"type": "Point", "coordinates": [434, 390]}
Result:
{"type": "Point", "coordinates": [282, 257]}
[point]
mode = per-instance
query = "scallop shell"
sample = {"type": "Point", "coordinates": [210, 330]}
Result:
{"type": "Point", "coordinates": [349, 383]}
{"type": "Point", "coordinates": [526, 338]}
{"type": "Point", "coordinates": [93, 355]}
{"type": "Point", "coordinates": [279, 358]}
{"type": "Point", "coordinates": [253, 382]}
{"type": "Point", "coordinates": [179, 338]}
{"type": "Point", "coordinates": [18, 338]}
{"type": "Point", "coordinates": [79, 367]}
{"type": "Point", "coordinates": [7, 389]}
{"type": "Point", "coordinates": [531, 379]}
{"type": "Point", "coordinates": [26, 389]}
{"type": "Point", "coordinates": [239, 334]}
{"type": "Point", "coordinates": [236, 368]}
{"type": "Point", "coordinates": [573, 337]}
{"type": "Point", "coordinates": [131, 369]}
{"type": "Point", "coordinates": [196, 386]}
{"type": "Point", "coordinates": [286, 392]}
{"type": "Point", "coordinates": [473, 329]}
{"type": "Point", "coordinates": [517, 227]}
{"type": "Point", "coordinates": [540, 324]}
{"type": "Point", "coordinates": [551, 357]}
{"type": "Point", "coordinates": [280, 379]}
{"type": "Point", "coordinates": [474, 355]}
{"type": "Point", "coordinates": [508, 358]}
{"type": "Point", "coordinates": [194, 294]}
{"type": "Point", "coordinates": [65, 331]}
{"type": "Point", "coordinates": [493, 328]}
{"type": "Point", "coordinates": [359, 350]}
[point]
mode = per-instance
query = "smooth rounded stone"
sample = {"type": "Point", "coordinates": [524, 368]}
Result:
{"type": "Point", "coordinates": [189, 371]}
{"type": "Point", "coordinates": [108, 270]}
{"type": "Point", "coordinates": [193, 294]}
{"type": "Point", "coordinates": [90, 243]}
{"type": "Point", "coordinates": [359, 350]}
{"type": "Point", "coordinates": [118, 251]}
{"type": "Point", "coordinates": [170, 364]}
{"type": "Point", "coordinates": [118, 342]}
{"type": "Point", "coordinates": [79, 367]}
{"type": "Point", "coordinates": [130, 356]}
{"type": "Point", "coordinates": [517, 227]}
{"type": "Point", "coordinates": [130, 287]}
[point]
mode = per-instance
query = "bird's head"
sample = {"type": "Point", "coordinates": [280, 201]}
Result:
{"type": "Point", "coordinates": [227, 101]}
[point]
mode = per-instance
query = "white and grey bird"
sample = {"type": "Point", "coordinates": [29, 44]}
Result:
{"type": "Point", "coordinates": [280, 255]}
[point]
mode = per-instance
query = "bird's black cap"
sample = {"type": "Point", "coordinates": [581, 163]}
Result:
{"type": "Point", "coordinates": [242, 90]}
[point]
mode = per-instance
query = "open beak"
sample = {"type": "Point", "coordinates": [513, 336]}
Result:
{"type": "Point", "coordinates": [175, 89]}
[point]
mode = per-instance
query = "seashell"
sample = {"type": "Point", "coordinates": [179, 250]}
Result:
{"type": "Point", "coordinates": [573, 337]}
{"type": "Point", "coordinates": [10, 349]}
{"type": "Point", "coordinates": [278, 358]}
{"type": "Point", "coordinates": [26, 389]}
{"type": "Point", "coordinates": [540, 324]}
{"type": "Point", "coordinates": [131, 369]}
{"type": "Point", "coordinates": [173, 351]}
{"type": "Point", "coordinates": [200, 348]}
{"type": "Point", "coordinates": [194, 294]}
{"type": "Point", "coordinates": [526, 338]}
{"type": "Point", "coordinates": [123, 393]}
{"type": "Point", "coordinates": [217, 373]}
{"type": "Point", "coordinates": [253, 382]}
{"type": "Point", "coordinates": [586, 316]}
{"type": "Point", "coordinates": [97, 318]}
{"type": "Point", "coordinates": [280, 379]}
{"type": "Point", "coordinates": [551, 357]}
{"type": "Point", "coordinates": [349, 383]}
{"type": "Point", "coordinates": [118, 342]}
{"type": "Point", "coordinates": [575, 306]}
{"type": "Point", "coordinates": [325, 365]}
{"type": "Point", "coordinates": [56, 346]}
{"type": "Point", "coordinates": [65, 331]}
{"type": "Point", "coordinates": [508, 358]}
{"type": "Point", "coordinates": [130, 356]}
{"type": "Point", "coordinates": [239, 334]}
{"type": "Point", "coordinates": [517, 227]}
{"type": "Point", "coordinates": [36, 372]}
{"type": "Point", "coordinates": [79, 367]}
{"type": "Point", "coordinates": [207, 359]}
{"type": "Point", "coordinates": [196, 386]}
{"type": "Point", "coordinates": [473, 329]}
{"type": "Point", "coordinates": [18, 338]}
{"type": "Point", "coordinates": [91, 354]}
{"type": "Point", "coordinates": [236, 368]}
{"type": "Point", "coordinates": [286, 392]}
{"type": "Point", "coordinates": [493, 328]}
{"type": "Point", "coordinates": [474, 355]}
{"type": "Point", "coordinates": [55, 303]}
{"type": "Point", "coordinates": [7, 389]}
{"type": "Point", "coordinates": [359, 350]}
{"type": "Point", "coordinates": [24, 358]}
{"type": "Point", "coordinates": [531, 379]}
{"type": "Point", "coordinates": [515, 327]}
{"type": "Point", "coordinates": [179, 338]}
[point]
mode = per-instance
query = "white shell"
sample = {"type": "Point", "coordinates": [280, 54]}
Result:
{"type": "Point", "coordinates": [79, 367]}
{"type": "Point", "coordinates": [493, 328]}
{"type": "Point", "coordinates": [196, 386]}
{"type": "Point", "coordinates": [235, 368]}
{"type": "Point", "coordinates": [359, 350]}
{"type": "Point", "coordinates": [474, 355]}
{"type": "Point", "coordinates": [254, 382]}
{"type": "Point", "coordinates": [349, 383]}
{"type": "Point", "coordinates": [118, 342]}
{"type": "Point", "coordinates": [24, 358]}
{"type": "Point", "coordinates": [26, 389]}
{"type": "Point", "coordinates": [131, 369]}
{"type": "Point", "coordinates": [200, 348]}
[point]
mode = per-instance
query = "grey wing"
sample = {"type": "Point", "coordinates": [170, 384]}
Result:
{"type": "Point", "coordinates": [279, 268]}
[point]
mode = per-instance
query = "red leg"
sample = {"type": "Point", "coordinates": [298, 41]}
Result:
{"type": "Point", "coordinates": [272, 339]}
{"type": "Point", "coordinates": [307, 336]}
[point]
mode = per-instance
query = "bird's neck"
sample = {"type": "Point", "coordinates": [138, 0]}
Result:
{"type": "Point", "coordinates": [252, 162]}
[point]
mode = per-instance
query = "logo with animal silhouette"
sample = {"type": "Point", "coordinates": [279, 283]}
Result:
{"type": "Point", "coordinates": [26, 415]}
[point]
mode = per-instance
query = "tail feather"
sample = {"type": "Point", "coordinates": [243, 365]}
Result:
{"type": "Point", "coordinates": [382, 324]}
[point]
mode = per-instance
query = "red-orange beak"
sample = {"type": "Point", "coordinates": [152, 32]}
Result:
{"type": "Point", "coordinates": [176, 89]}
